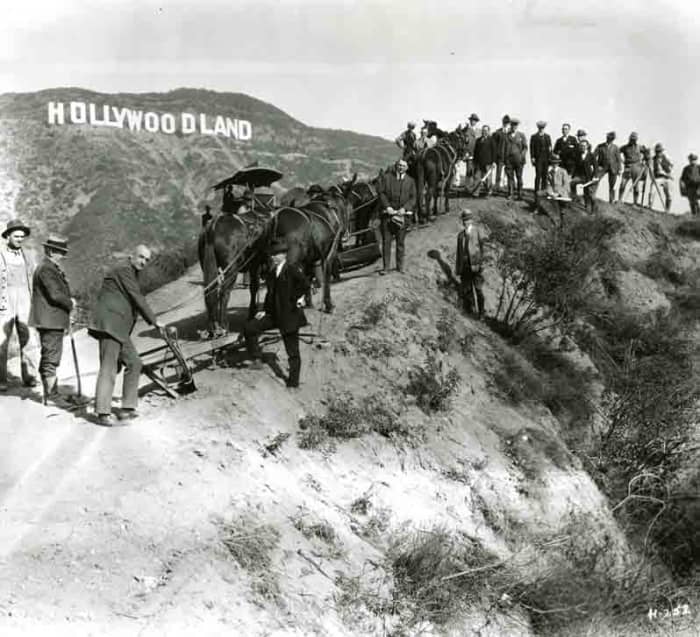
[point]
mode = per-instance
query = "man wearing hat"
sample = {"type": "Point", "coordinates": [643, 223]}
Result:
{"type": "Point", "coordinates": [540, 152]}
{"type": "Point", "coordinates": [499, 141]}
{"type": "Point", "coordinates": [469, 264]}
{"type": "Point", "coordinates": [469, 132]}
{"type": "Point", "coordinates": [690, 183]}
{"type": "Point", "coordinates": [50, 314]}
{"type": "Point", "coordinates": [516, 153]}
{"type": "Point", "coordinates": [16, 271]}
{"type": "Point", "coordinates": [406, 141]}
{"type": "Point", "coordinates": [118, 305]}
{"type": "Point", "coordinates": [397, 196]}
{"type": "Point", "coordinates": [662, 166]}
{"type": "Point", "coordinates": [484, 160]}
{"type": "Point", "coordinates": [632, 158]}
{"type": "Point", "coordinates": [286, 287]}
{"type": "Point", "coordinates": [567, 149]}
{"type": "Point", "coordinates": [608, 162]}
{"type": "Point", "coordinates": [559, 182]}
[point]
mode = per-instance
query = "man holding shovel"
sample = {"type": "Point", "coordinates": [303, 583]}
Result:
{"type": "Point", "coordinates": [469, 266]}
{"type": "Point", "coordinates": [50, 315]}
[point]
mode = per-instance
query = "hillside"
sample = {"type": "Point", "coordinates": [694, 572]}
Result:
{"type": "Point", "coordinates": [430, 477]}
{"type": "Point", "coordinates": [109, 188]}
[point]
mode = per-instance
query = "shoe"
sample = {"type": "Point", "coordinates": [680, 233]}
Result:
{"type": "Point", "coordinates": [127, 414]}
{"type": "Point", "coordinates": [3, 387]}
{"type": "Point", "coordinates": [31, 382]}
{"type": "Point", "coordinates": [382, 272]}
{"type": "Point", "coordinates": [292, 385]}
{"type": "Point", "coordinates": [400, 270]}
{"type": "Point", "coordinates": [56, 400]}
{"type": "Point", "coordinates": [106, 420]}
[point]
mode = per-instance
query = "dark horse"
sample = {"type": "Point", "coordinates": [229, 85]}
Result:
{"type": "Point", "coordinates": [434, 171]}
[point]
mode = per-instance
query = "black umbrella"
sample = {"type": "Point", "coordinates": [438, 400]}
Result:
{"type": "Point", "coordinates": [252, 177]}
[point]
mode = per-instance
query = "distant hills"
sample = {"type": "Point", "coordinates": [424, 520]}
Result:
{"type": "Point", "coordinates": [109, 188]}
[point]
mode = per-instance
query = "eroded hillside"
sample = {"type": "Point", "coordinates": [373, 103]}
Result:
{"type": "Point", "coordinates": [430, 477]}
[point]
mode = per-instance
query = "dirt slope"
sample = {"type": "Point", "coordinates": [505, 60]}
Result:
{"type": "Point", "coordinates": [185, 523]}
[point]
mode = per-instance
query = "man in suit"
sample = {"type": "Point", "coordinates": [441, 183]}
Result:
{"type": "Point", "coordinates": [608, 162]}
{"type": "Point", "coordinates": [118, 305]}
{"type": "Point", "coordinates": [16, 272]}
{"type": "Point", "coordinates": [516, 153]}
{"type": "Point", "coordinates": [662, 167]}
{"type": "Point", "coordinates": [540, 152]}
{"type": "Point", "coordinates": [632, 156]}
{"type": "Point", "coordinates": [690, 183]}
{"type": "Point", "coordinates": [469, 264]}
{"type": "Point", "coordinates": [585, 173]}
{"type": "Point", "coordinates": [50, 314]}
{"type": "Point", "coordinates": [499, 141]}
{"type": "Point", "coordinates": [558, 180]}
{"type": "Point", "coordinates": [567, 149]}
{"type": "Point", "coordinates": [286, 287]}
{"type": "Point", "coordinates": [397, 196]}
{"type": "Point", "coordinates": [484, 160]}
{"type": "Point", "coordinates": [469, 132]}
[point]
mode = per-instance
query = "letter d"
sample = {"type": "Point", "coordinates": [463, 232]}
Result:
{"type": "Point", "coordinates": [188, 123]}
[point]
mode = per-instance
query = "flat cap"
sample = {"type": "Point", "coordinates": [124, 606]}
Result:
{"type": "Point", "coordinates": [59, 244]}
{"type": "Point", "coordinates": [658, 147]}
{"type": "Point", "coordinates": [473, 117]}
{"type": "Point", "coordinates": [541, 124]}
{"type": "Point", "coordinates": [555, 159]}
{"type": "Point", "coordinates": [611, 135]}
{"type": "Point", "coordinates": [581, 133]}
{"type": "Point", "coordinates": [692, 156]}
{"type": "Point", "coordinates": [514, 120]}
{"type": "Point", "coordinates": [506, 119]}
{"type": "Point", "coordinates": [634, 135]}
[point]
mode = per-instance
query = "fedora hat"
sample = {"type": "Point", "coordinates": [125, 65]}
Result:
{"type": "Point", "coordinates": [473, 117]}
{"type": "Point", "coordinates": [13, 225]}
{"type": "Point", "coordinates": [56, 243]}
{"type": "Point", "coordinates": [277, 246]}
{"type": "Point", "coordinates": [466, 214]}
{"type": "Point", "coordinates": [555, 159]}
{"type": "Point", "coordinates": [541, 124]}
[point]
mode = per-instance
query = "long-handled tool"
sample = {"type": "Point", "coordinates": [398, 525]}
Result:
{"type": "Point", "coordinates": [473, 189]}
{"type": "Point", "coordinates": [76, 366]}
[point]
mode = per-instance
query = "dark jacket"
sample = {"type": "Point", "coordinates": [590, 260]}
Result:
{"type": "Point", "coordinates": [499, 141]}
{"type": "Point", "coordinates": [397, 194]}
{"type": "Point", "coordinates": [283, 292]}
{"type": "Point", "coordinates": [470, 251]}
{"type": "Point", "coordinates": [485, 152]}
{"type": "Point", "coordinates": [662, 166]}
{"type": "Point", "coordinates": [586, 167]}
{"type": "Point", "coordinates": [118, 305]}
{"type": "Point", "coordinates": [540, 148]}
{"type": "Point", "coordinates": [51, 301]}
{"type": "Point", "coordinates": [469, 141]}
{"type": "Point", "coordinates": [690, 177]}
{"type": "Point", "coordinates": [516, 148]}
{"type": "Point", "coordinates": [608, 158]}
{"type": "Point", "coordinates": [631, 153]}
{"type": "Point", "coordinates": [567, 149]}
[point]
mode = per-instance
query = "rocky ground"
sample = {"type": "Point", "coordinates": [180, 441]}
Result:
{"type": "Point", "coordinates": [209, 515]}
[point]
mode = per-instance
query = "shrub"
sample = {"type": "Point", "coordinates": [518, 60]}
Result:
{"type": "Point", "coordinates": [433, 385]}
{"type": "Point", "coordinates": [447, 329]}
{"type": "Point", "coordinates": [689, 228]}
{"type": "Point", "coordinates": [549, 278]}
{"type": "Point", "coordinates": [661, 265]}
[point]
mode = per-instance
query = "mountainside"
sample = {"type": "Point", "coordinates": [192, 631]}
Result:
{"type": "Point", "coordinates": [432, 476]}
{"type": "Point", "coordinates": [109, 188]}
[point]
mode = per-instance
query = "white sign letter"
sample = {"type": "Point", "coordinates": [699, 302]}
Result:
{"type": "Point", "coordinates": [188, 123]}
{"type": "Point", "coordinates": [134, 118]}
{"type": "Point", "coordinates": [203, 125]}
{"type": "Point", "coordinates": [151, 122]}
{"type": "Point", "coordinates": [245, 130]}
{"type": "Point", "coordinates": [167, 123]}
{"type": "Point", "coordinates": [56, 114]}
{"type": "Point", "coordinates": [232, 127]}
{"type": "Point", "coordinates": [78, 113]}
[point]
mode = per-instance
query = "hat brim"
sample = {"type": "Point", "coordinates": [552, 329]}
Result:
{"type": "Point", "coordinates": [55, 248]}
{"type": "Point", "coordinates": [9, 231]}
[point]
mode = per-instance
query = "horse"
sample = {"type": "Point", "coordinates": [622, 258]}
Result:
{"type": "Point", "coordinates": [229, 244]}
{"type": "Point", "coordinates": [434, 171]}
{"type": "Point", "coordinates": [313, 233]}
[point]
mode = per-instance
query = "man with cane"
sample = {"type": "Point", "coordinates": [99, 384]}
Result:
{"type": "Point", "coordinates": [469, 265]}
{"type": "Point", "coordinates": [50, 315]}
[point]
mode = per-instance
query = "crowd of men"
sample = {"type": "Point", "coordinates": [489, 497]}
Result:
{"type": "Point", "coordinates": [560, 166]}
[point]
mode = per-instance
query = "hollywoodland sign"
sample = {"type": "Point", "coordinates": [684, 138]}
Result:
{"type": "Point", "coordinates": [136, 120]}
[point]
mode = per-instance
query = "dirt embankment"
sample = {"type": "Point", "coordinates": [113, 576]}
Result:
{"type": "Point", "coordinates": [218, 514]}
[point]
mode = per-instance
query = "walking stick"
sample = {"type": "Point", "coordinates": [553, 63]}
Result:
{"type": "Point", "coordinates": [75, 360]}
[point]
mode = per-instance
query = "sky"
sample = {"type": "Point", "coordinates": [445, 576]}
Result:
{"type": "Point", "coordinates": [371, 66]}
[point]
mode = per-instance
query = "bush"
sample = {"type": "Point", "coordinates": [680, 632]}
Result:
{"type": "Point", "coordinates": [661, 265]}
{"type": "Point", "coordinates": [446, 326]}
{"type": "Point", "coordinates": [689, 228]}
{"type": "Point", "coordinates": [347, 417]}
{"type": "Point", "coordinates": [549, 278]}
{"type": "Point", "coordinates": [433, 385]}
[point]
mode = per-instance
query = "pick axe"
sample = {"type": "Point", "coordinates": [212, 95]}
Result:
{"type": "Point", "coordinates": [75, 360]}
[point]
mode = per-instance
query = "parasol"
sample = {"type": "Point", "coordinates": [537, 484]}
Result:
{"type": "Point", "coordinates": [254, 177]}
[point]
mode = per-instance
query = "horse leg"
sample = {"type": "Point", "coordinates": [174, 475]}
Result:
{"type": "Point", "coordinates": [224, 296]}
{"type": "Point", "coordinates": [253, 287]}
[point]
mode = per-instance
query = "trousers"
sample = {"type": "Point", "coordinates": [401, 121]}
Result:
{"type": "Point", "coordinates": [390, 231]}
{"type": "Point", "coordinates": [515, 176]}
{"type": "Point", "coordinates": [693, 194]}
{"type": "Point", "coordinates": [252, 331]}
{"type": "Point", "coordinates": [541, 176]}
{"type": "Point", "coordinates": [469, 279]}
{"type": "Point", "coordinates": [631, 172]}
{"type": "Point", "coordinates": [664, 184]}
{"type": "Point", "coordinates": [51, 352]}
{"type": "Point", "coordinates": [15, 317]}
{"type": "Point", "coordinates": [113, 356]}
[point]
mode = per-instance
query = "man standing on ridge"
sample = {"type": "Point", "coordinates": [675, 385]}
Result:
{"type": "Point", "coordinates": [118, 304]}
{"type": "Point", "coordinates": [469, 132]}
{"type": "Point", "coordinates": [632, 156]}
{"type": "Point", "coordinates": [662, 166]}
{"type": "Point", "coordinates": [690, 183]}
{"type": "Point", "coordinates": [397, 196]}
{"type": "Point", "coordinates": [50, 315]}
{"type": "Point", "coordinates": [469, 265]}
{"type": "Point", "coordinates": [516, 152]}
{"type": "Point", "coordinates": [16, 273]}
{"type": "Point", "coordinates": [484, 160]}
{"type": "Point", "coordinates": [567, 149]}
{"type": "Point", "coordinates": [406, 141]}
{"type": "Point", "coordinates": [499, 141]}
{"type": "Point", "coordinates": [608, 162]}
{"type": "Point", "coordinates": [540, 153]}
